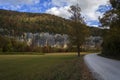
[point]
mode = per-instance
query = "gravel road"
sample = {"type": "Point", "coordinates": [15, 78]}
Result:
{"type": "Point", "coordinates": [103, 68]}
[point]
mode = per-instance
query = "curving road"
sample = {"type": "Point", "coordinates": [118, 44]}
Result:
{"type": "Point", "coordinates": [103, 68]}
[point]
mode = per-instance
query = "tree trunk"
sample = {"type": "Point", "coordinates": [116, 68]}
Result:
{"type": "Point", "coordinates": [78, 48]}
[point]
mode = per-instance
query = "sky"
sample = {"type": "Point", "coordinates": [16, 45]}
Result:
{"type": "Point", "coordinates": [90, 9]}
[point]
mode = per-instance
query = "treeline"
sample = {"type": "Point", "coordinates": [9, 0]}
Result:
{"type": "Point", "coordinates": [13, 45]}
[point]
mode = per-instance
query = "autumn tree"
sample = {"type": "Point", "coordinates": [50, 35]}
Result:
{"type": "Point", "coordinates": [78, 30]}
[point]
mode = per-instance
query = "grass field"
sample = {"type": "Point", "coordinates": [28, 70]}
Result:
{"type": "Point", "coordinates": [64, 66]}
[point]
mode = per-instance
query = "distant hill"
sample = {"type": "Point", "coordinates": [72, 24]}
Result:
{"type": "Point", "coordinates": [14, 23]}
{"type": "Point", "coordinates": [95, 31]}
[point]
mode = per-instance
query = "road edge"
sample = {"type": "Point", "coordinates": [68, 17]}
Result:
{"type": "Point", "coordinates": [96, 75]}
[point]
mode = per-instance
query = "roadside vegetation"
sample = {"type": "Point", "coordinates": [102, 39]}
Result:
{"type": "Point", "coordinates": [111, 38]}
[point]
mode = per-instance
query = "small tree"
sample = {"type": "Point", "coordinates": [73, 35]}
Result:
{"type": "Point", "coordinates": [78, 30]}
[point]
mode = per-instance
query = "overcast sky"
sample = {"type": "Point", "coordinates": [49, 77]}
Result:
{"type": "Point", "coordinates": [91, 9]}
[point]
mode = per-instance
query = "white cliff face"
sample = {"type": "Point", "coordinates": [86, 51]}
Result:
{"type": "Point", "coordinates": [57, 40]}
{"type": "Point", "coordinates": [103, 68]}
{"type": "Point", "coordinates": [42, 39]}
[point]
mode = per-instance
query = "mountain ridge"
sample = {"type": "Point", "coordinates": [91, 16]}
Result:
{"type": "Point", "coordinates": [31, 22]}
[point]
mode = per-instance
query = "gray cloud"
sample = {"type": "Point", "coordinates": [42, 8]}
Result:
{"type": "Point", "coordinates": [88, 7]}
{"type": "Point", "coordinates": [62, 11]}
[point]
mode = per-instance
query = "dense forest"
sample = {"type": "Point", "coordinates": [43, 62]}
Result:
{"type": "Point", "coordinates": [14, 23]}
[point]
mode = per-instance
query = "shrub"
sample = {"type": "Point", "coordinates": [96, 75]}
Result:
{"type": "Point", "coordinates": [5, 44]}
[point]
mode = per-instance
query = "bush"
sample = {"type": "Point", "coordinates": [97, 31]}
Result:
{"type": "Point", "coordinates": [18, 46]}
{"type": "Point", "coordinates": [37, 49]}
{"type": "Point", "coordinates": [5, 44]}
{"type": "Point", "coordinates": [11, 45]}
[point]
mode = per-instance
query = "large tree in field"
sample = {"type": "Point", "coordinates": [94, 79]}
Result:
{"type": "Point", "coordinates": [78, 30]}
{"type": "Point", "coordinates": [111, 44]}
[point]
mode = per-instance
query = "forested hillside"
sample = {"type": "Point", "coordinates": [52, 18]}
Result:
{"type": "Point", "coordinates": [14, 23]}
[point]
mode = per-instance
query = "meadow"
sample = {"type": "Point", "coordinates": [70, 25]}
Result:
{"type": "Point", "coordinates": [62, 66]}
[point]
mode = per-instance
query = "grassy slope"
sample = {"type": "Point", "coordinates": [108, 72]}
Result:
{"type": "Point", "coordinates": [43, 67]}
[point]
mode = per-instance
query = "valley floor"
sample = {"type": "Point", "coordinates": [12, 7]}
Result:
{"type": "Point", "coordinates": [43, 67]}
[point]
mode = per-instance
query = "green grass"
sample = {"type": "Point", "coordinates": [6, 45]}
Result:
{"type": "Point", "coordinates": [42, 67]}
{"type": "Point", "coordinates": [19, 53]}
